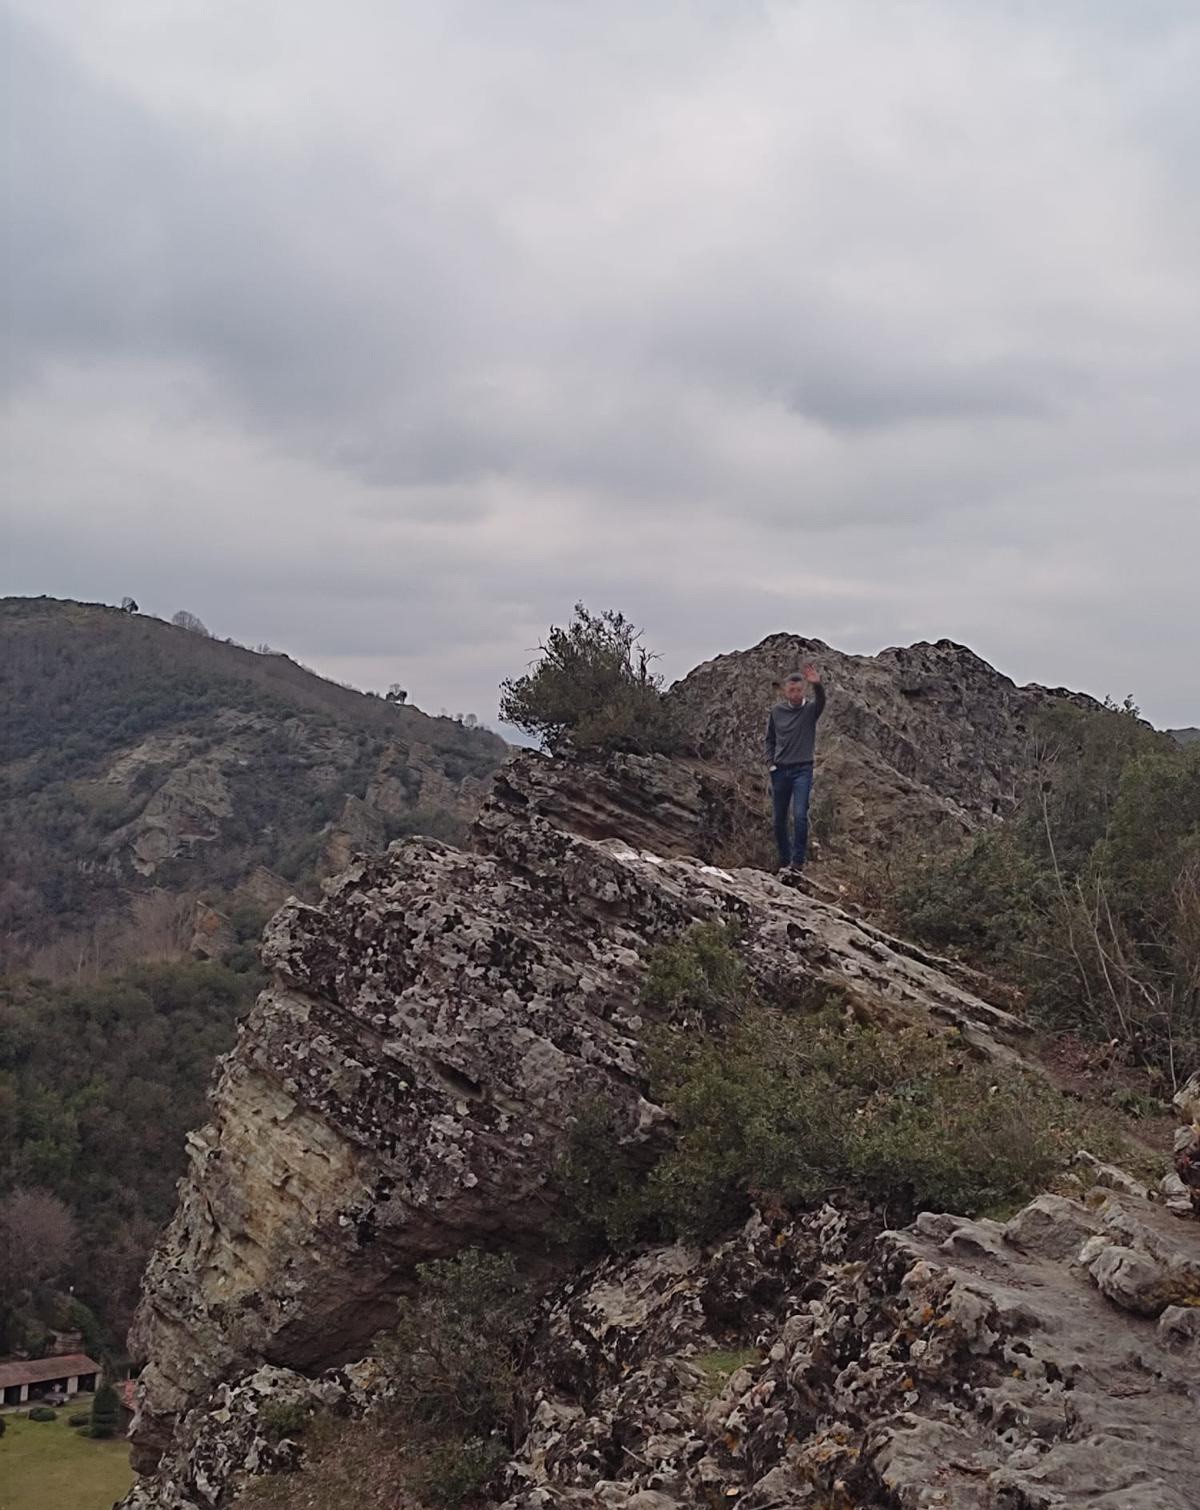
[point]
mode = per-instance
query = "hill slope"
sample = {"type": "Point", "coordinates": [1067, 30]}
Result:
{"type": "Point", "coordinates": [144, 766]}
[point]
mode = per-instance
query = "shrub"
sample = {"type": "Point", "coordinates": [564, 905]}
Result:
{"type": "Point", "coordinates": [43, 1413]}
{"type": "Point", "coordinates": [456, 1343]}
{"type": "Point", "coordinates": [3, 1426]}
{"type": "Point", "coordinates": [80, 1418]}
{"type": "Point", "coordinates": [986, 899]}
{"type": "Point", "coordinates": [1089, 898]}
{"type": "Point", "coordinates": [457, 1473]}
{"type": "Point", "coordinates": [283, 1418]}
{"type": "Point", "coordinates": [698, 979]}
{"type": "Point", "coordinates": [593, 689]}
{"type": "Point", "coordinates": [105, 1411]}
{"type": "Point", "coordinates": [791, 1107]}
{"type": "Point", "coordinates": [603, 1178]}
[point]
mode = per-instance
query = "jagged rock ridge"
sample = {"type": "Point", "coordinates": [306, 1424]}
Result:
{"type": "Point", "coordinates": [920, 745]}
{"type": "Point", "coordinates": [404, 1086]}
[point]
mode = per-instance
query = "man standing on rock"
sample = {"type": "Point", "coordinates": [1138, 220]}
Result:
{"type": "Point", "coordinates": [790, 742]}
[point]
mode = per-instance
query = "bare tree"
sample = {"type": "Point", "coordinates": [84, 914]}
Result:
{"type": "Point", "coordinates": [396, 694]}
{"type": "Point", "coordinates": [185, 620]}
{"type": "Point", "coordinates": [37, 1239]}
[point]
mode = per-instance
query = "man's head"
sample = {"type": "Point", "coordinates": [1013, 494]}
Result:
{"type": "Point", "coordinates": [795, 688]}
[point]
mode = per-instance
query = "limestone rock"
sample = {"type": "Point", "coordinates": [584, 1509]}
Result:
{"type": "Point", "coordinates": [947, 1367]}
{"type": "Point", "coordinates": [920, 745]}
{"type": "Point", "coordinates": [233, 1435]}
{"type": "Point", "coordinates": [1182, 1189]}
{"type": "Point", "coordinates": [404, 1086]}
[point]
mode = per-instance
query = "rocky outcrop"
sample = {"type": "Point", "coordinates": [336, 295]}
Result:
{"type": "Point", "coordinates": [252, 1426]}
{"type": "Point", "coordinates": [1182, 1186]}
{"type": "Point", "coordinates": [956, 1364]}
{"type": "Point", "coordinates": [920, 745]}
{"type": "Point", "coordinates": [404, 1086]}
{"type": "Point", "coordinates": [403, 1089]}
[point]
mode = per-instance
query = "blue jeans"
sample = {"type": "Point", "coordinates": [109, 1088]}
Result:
{"type": "Point", "coordinates": [791, 787]}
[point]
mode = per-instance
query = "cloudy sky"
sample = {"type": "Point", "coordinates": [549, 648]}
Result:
{"type": "Point", "coordinates": [385, 330]}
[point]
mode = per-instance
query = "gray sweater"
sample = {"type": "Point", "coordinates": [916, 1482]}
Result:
{"type": "Point", "coordinates": [792, 732]}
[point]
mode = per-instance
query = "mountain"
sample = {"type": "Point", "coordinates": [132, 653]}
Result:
{"type": "Point", "coordinates": [156, 780]}
{"type": "Point", "coordinates": [1184, 736]}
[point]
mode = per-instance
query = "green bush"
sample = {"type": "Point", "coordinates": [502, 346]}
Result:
{"type": "Point", "coordinates": [986, 899]}
{"type": "Point", "coordinates": [80, 1418]}
{"type": "Point", "coordinates": [1088, 899]}
{"type": "Point", "coordinates": [456, 1343]}
{"type": "Point", "coordinates": [457, 1473]}
{"type": "Point", "coordinates": [283, 1418]}
{"type": "Point", "coordinates": [106, 1410]}
{"type": "Point", "coordinates": [593, 689]}
{"type": "Point", "coordinates": [790, 1107]}
{"type": "Point", "coordinates": [3, 1426]}
{"type": "Point", "coordinates": [43, 1413]}
{"type": "Point", "coordinates": [699, 980]}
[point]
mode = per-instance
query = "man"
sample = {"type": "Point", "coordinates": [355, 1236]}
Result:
{"type": "Point", "coordinates": [789, 745]}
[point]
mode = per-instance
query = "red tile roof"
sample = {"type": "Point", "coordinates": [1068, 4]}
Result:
{"type": "Point", "coordinates": [42, 1370]}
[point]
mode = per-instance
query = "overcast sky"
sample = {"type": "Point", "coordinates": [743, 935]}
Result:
{"type": "Point", "coordinates": [383, 331]}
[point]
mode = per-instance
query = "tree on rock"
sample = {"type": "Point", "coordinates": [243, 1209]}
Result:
{"type": "Point", "coordinates": [592, 688]}
{"type": "Point", "coordinates": [106, 1412]}
{"type": "Point", "coordinates": [396, 694]}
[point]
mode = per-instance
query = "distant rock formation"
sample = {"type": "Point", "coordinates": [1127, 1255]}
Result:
{"type": "Point", "coordinates": [919, 746]}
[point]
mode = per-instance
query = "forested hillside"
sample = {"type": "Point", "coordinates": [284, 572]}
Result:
{"type": "Point", "coordinates": [162, 792]}
{"type": "Point", "coordinates": [146, 767]}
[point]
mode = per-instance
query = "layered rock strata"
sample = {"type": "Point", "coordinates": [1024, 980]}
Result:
{"type": "Point", "coordinates": [404, 1086]}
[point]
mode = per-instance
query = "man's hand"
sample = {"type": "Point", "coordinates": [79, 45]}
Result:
{"type": "Point", "coordinates": [811, 674]}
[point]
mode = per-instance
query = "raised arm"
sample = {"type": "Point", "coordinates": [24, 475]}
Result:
{"type": "Point", "coordinates": [813, 677]}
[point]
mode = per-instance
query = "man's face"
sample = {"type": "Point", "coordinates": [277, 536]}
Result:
{"type": "Point", "coordinates": [794, 692]}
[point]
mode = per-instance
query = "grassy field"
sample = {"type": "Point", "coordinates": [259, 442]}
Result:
{"type": "Point", "coordinates": [47, 1465]}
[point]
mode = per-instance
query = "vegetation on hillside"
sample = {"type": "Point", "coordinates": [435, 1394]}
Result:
{"type": "Point", "coordinates": [99, 1085]}
{"type": "Point", "coordinates": [447, 1429]}
{"type": "Point", "coordinates": [272, 749]}
{"type": "Point", "coordinates": [793, 1102]}
{"type": "Point", "coordinates": [1089, 899]}
{"type": "Point", "coordinates": [592, 688]}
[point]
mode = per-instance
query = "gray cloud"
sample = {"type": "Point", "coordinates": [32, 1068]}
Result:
{"type": "Point", "coordinates": [385, 332]}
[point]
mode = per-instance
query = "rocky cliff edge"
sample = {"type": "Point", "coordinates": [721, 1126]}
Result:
{"type": "Point", "coordinates": [403, 1089]}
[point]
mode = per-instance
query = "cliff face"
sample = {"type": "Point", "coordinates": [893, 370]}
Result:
{"type": "Point", "coordinates": [920, 745]}
{"type": "Point", "coordinates": [404, 1086]}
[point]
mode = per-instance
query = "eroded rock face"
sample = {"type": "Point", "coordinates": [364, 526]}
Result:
{"type": "Point", "coordinates": [404, 1086]}
{"type": "Point", "coordinates": [250, 1427]}
{"type": "Point", "coordinates": [956, 1364]}
{"type": "Point", "coordinates": [921, 744]}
